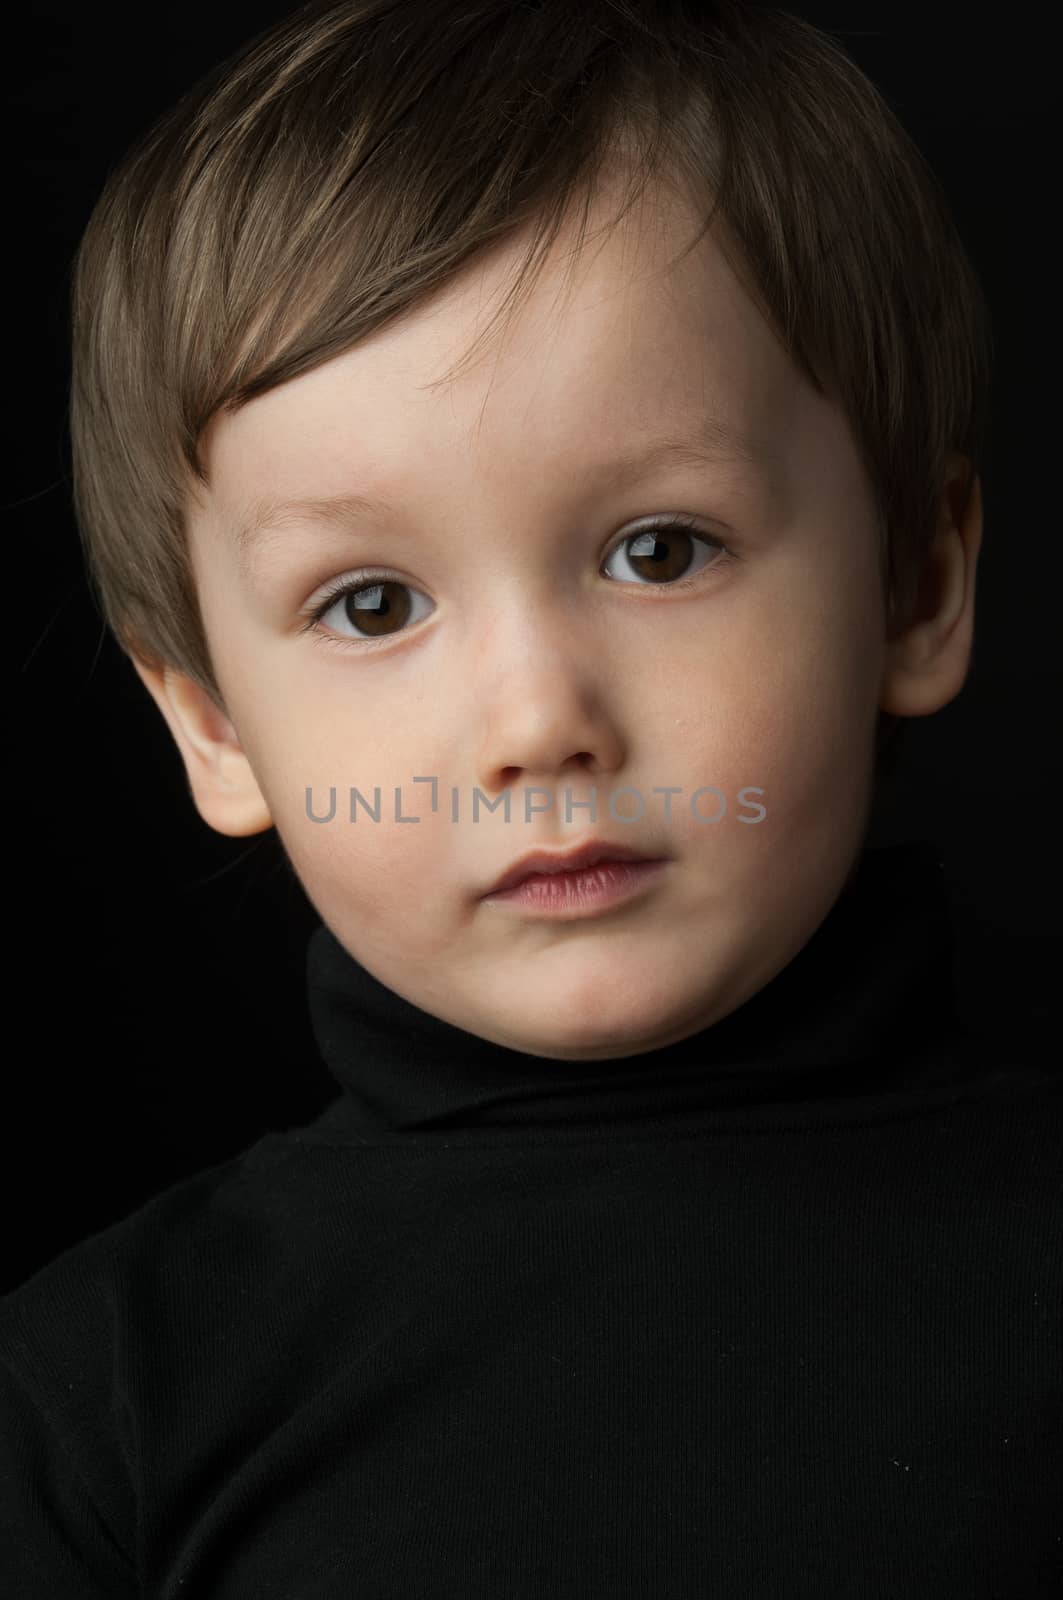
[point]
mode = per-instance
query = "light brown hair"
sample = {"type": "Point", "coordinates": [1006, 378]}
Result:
{"type": "Point", "coordinates": [355, 156]}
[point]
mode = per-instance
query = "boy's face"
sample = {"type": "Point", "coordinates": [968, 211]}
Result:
{"type": "Point", "coordinates": [512, 661]}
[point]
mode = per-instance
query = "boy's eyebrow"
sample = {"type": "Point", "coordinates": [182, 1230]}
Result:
{"type": "Point", "coordinates": [714, 441]}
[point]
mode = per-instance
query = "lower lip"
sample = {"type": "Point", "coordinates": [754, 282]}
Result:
{"type": "Point", "coordinates": [583, 893]}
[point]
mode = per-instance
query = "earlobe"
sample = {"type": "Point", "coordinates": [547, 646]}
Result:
{"type": "Point", "coordinates": [223, 784]}
{"type": "Point", "coordinates": [928, 661]}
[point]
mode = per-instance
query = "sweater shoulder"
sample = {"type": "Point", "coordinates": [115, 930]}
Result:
{"type": "Point", "coordinates": [66, 1331]}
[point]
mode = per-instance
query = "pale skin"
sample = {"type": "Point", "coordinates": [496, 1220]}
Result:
{"type": "Point", "coordinates": [524, 665]}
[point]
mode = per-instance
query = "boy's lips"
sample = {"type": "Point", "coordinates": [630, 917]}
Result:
{"type": "Point", "coordinates": [587, 854]}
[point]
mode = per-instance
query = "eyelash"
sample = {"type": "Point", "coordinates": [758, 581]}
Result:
{"type": "Point", "coordinates": [370, 575]}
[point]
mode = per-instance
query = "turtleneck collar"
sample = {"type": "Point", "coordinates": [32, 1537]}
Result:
{"type": "Point", "coordinates": [867, 1006]}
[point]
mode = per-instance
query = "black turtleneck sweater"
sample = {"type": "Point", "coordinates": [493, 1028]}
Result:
{"type": "Point", "coordinates": [771, 1312]}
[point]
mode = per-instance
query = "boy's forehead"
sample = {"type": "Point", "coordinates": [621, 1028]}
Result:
{"type": "Point", "coordinates": [620, 350]}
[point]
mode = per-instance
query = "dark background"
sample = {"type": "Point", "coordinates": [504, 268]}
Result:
{"type": "Point", "coordinates": [159, 1021]}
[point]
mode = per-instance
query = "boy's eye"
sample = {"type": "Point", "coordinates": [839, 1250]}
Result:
{"type": "Point", "coordinates": [376, 605]}
{"type": "Point", "coordinates": [661, 551]}
{"type": "Point", "coordinates": [376, 608]}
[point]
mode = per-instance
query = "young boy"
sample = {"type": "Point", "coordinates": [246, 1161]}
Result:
{"type": "Point", "coordinates": [668, 1237]}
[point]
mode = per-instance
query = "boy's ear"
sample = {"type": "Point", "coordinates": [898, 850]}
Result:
{"type": "Point", "coordinates": [927, 663]}
{"type": "Point", "coordinates": [224, 788]}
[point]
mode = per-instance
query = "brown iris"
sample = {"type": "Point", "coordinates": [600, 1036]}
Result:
{"type": "Point", "coordinates": [653, 554]}
{"type": "Point", "coordinates": [376, 606]}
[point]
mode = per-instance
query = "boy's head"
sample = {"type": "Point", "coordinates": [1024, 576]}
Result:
{"type": "Point", "coordinates": [743, 307]}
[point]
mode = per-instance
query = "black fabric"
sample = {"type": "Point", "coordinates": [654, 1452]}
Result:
{"type": "Point", "coordinates": [774, 1311]}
